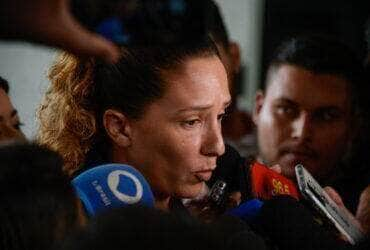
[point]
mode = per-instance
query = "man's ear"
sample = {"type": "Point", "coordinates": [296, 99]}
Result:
{"type": "Point", "coordinates": [259, 99]}
{"type": "Point", "coordinates": [234, 51]}
{"type": "Point", "coordinates": [117, 126]}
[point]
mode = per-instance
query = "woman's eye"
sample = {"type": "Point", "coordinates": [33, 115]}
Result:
{"type": "Point", "coordinates": [18, 125]}
{"type": "Point", "coordinates": [191, 123]}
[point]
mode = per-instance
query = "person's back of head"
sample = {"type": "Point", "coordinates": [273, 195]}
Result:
{"type": "Point", "coordinates": [38, 206]}
{"type": "Point", "coordinates": [148, 228]}
{"type": "Point", "coordinates": [142, 228]}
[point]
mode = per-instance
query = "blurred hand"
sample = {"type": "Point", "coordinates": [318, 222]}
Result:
{"type": "Point", "coordinates": [363, 210]}
{"type": "Point", "coordinates": [338, 200]}
{"type": "Point", "coordinates": [50, 22]}
{"type": "Point", "coordinates": [276, 168]}
{"type": "Point", "coordinates": [334, 196]}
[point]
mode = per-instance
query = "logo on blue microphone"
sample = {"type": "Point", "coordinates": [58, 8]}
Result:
{"type": "Point", "coordinates": [113, 180]}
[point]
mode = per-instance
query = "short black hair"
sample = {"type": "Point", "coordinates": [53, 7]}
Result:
{"type": "Point", "coordinates": [38, 204]}
{"type": "Point", "coordinates": [321, 54]}
{"type": "Point", "coordinates": [4, 85]}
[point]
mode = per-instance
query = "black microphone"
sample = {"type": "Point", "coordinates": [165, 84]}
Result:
{"type": "Point", "coordinates": [251, 178]}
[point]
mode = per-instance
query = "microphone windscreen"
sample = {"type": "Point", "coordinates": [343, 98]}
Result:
{"type": "Point", "coordinates": [111, 186]}
{"type": "Point", "coordinates": [266, 183]}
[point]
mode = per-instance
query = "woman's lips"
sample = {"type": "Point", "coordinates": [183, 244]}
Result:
{"type": "Point", "coordinates": [204, 175]}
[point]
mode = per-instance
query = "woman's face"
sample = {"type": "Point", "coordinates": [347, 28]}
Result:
{"type": "Point", "coordinates": [9, 120]}
{"type": "Point", "coordinates": [176, 142]}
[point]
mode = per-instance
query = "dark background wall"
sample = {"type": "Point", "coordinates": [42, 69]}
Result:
{"type": "Point", "coordinates": [344, 19]}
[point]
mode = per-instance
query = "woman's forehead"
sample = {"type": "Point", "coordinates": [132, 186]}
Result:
{"type": "Point", "coordinates": [200, 82]}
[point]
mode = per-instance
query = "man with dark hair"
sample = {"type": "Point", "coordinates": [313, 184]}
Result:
{"type": "Point", "coordinates": [309, 110]}
{"type": "Point", "coordinates": [9, 120]}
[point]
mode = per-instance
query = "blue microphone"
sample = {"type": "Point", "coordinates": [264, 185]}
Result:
{"type": "Point", "coordinates": [247, 211]}
{"type": "Point", "coordinates": [111, 186]}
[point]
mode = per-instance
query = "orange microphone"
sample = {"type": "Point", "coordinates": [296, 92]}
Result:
{"type": "Point", "coordinates": [266, 183]}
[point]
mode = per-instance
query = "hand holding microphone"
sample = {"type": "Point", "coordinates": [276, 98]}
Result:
{"type": "Point", "coordinates": [111, 186]}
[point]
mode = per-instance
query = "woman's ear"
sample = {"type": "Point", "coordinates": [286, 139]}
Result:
{"type": "Point", "coordinates": [117, 126]}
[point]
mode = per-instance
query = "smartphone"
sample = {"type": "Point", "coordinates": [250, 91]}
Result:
{"type": "Point", "coordinates": [313, 193]}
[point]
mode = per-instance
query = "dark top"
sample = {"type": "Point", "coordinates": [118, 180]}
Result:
{"type": "Point", "coordinates": [291, 226]}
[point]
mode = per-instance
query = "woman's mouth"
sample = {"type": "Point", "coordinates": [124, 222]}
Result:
{"type": "Point", "coordinates": [203, 175]}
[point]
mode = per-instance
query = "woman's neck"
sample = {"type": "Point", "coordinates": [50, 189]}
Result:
{"type": "Point", "coordinates": [162, 203]}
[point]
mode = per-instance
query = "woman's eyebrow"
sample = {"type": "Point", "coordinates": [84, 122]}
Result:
{"type": "Point", "coordinates": [195, 108]}
{"type": "Point", "coordinates": [201, 107]}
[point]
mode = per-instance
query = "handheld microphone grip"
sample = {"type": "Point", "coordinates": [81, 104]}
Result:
{"type": "Point", "coordinates": [111, 186]}
{"type": "Point", "coordinates": [247, 211]}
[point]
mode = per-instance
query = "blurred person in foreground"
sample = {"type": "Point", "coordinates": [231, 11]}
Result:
{"type": "Point", "coordinates": [38, 205]}
{"type": "Point", "coordinates": [148, 228]}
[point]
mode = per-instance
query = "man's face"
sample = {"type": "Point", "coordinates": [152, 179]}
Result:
{"type": "Point", "coordinates": [177, 141]}
{"type": "Point", "coordinates": [9, 120]}
{"type": "Point", "coordinates": [303, 118]}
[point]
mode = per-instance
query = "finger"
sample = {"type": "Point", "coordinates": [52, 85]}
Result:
{"type": "Point", "coordinates": [363, 210]}
{"type": "Point", "coordinates": [235, 198]}
{"type": "Point", "coordinates": [276, 168]}
{"type": "Point", "coordinates": [334, 196]}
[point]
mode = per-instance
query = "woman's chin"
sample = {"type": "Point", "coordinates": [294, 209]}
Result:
{"type": "Point", "coordinates": [197, 191]}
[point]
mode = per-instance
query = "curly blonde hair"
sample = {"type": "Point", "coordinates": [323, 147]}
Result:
{"type": "Point", "coordinates": [67, 125]}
